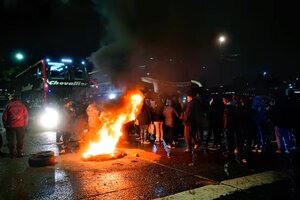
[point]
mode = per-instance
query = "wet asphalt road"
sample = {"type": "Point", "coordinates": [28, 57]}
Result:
{"type": "Point", "coordinates": [146, 172]}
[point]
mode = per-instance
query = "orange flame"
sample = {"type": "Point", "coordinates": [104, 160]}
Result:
{"type": "Point", "coordinates": [111, 125]}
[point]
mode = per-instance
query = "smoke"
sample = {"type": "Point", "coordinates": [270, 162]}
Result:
{"type": "Point", "coordinates": [165, 37]}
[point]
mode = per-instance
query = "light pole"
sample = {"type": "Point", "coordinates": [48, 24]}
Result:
{"type": "Point", "coordinates": [221, 40]}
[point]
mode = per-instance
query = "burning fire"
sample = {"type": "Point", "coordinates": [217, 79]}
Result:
{"type": "Point", "coordinates": [111, 125]}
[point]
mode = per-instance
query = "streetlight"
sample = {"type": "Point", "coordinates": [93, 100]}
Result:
{"type": "Point", "coordinates": [222, 39]}
{"type": "Point", "coordinates": [19, 56]}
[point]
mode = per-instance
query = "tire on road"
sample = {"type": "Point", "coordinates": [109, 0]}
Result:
{"type": "Point", "coordinates": [45, 153]}
{"type": "Point", "coordinates": [42, 159]}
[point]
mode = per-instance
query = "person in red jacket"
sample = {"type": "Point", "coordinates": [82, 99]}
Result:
{"type": "Point", "coordinates": [15, 120]}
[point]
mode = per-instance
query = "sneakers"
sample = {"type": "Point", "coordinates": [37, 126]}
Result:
{"type": "Point", "coordinates": [214, 147]}
{"type": "Point", "coordinates": [180, 138]}
{"type": "Point", "coordinates": [259, 150]}
{"type": "Point", "coordinates": [278, 151]}
{"type": "Point", "coordinates": [187, 150]}
{"type": "Point", "coordinates": [62, 151]}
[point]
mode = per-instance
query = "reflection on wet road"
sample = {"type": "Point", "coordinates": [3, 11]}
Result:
{"type": "Point", "coordinates": [146, 172]}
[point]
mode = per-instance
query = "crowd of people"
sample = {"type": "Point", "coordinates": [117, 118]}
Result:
{"type": "Point", "coordinates": [234, 124]}
{"type": "Point", "coordinates": [239, 124]}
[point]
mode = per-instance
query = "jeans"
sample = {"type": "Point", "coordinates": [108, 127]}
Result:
{"type": "Point", "coordinates": [15, 139]}
{"type": "Point", "coordinates": [283, 138]}
{"type": "Point", "coordinates": [143, 132]}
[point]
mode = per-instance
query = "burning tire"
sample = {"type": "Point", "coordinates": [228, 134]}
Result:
{"type": "Point", "coordinates": [42, 159]}
{"type": "Point", "coordinates": [105, 157]}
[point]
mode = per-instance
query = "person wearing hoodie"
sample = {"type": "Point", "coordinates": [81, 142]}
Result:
{"type": "Point", "coordinates": [15, 120]}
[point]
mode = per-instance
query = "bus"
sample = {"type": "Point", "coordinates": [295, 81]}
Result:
{"type": "Point", "coordinates": [47, 83]}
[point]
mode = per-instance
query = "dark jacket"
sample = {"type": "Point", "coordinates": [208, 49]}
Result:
{"type": "Point", "coordinates": [170, 114]}
{"type": "Point", "coordinates": [280, 114]}
{"type": "Point", "coordinates": [157, 112]}
{"type": "Point", "coordinates": [231, 116]}
{"type": "Point", "coordinates": [145, 115]}
{"type": "Point", "coordinates": [215, 113]}
{"type": "Point", "coordinates": [187, 114]}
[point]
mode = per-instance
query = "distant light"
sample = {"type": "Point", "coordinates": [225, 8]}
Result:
{"type": "Point", "coordinates": [222, 39]}
{"type": "Point", "coordinates": [264, 73]}
{"type": "Point", "coordinates": [290, 86]}
{"type": "Point", "coordinates": [56, 63]}
{"type": "Point", "coordinates": [148, 74]}
{"type": "Point", "coordinates": [65, 60]}
{"type": "Point", "coordinates": [151, 58]}
{"type": "Point", "coordinates": [19, 56]}
{"type": "Point", "coordinates": [112, 96]}
{"type": "Point", "coordinates": [82, 62]}
{"type": "Point", "coordinates": [47, 60]}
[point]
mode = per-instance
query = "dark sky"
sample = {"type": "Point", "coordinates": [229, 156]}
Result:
{"type": "Point", "coordinates": [180, 36]}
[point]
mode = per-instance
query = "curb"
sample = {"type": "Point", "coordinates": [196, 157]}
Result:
{"type": "Point", "coordinates": [228, 187]}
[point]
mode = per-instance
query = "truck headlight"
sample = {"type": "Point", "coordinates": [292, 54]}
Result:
{"type": "Point", "coordinates": [49, 118]}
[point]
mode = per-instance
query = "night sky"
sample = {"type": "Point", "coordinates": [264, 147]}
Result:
{"type": "Point", "coordinates": [172, 39]}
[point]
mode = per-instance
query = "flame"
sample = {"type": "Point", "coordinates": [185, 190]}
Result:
{"type": "Point", "coordinates": [112, 122]}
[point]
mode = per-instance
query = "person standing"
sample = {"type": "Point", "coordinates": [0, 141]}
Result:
{"type": "Point", "coordinates": [15, 120]}
{"type": "Point", "coordinates": [280, 118]}
{"type": "Point", "coordinates": [189, 136]}
{"type": "Point", "coordinates": [158, 118]}
{"type": "Point", "coordinates": [93, 114]}
{"type": "Point", "coordinates": [260, 119]}
{"type": "Point", "coordinates": [215, 117]}
{"type": "Point", "coordinates": [199, 119]}
{"type": "Point", "coordinates": [170, 115]}
{"type": "Point", "coordinates": [231, 125]}
{"type": "Point", "coordinates": [144, 119]}
{"type": "Point", "coordinates": [66, 128]}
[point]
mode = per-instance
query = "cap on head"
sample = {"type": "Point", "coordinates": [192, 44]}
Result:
{"type": "Point", "coordinates": [12, 97]}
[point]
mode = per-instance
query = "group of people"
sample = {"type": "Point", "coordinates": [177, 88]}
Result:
{"type": "Point", "coordinates": [73, 124]}
{"type": "Point", "coordinates": [15, 120]}
{"type": "Point", "coordinates": [245, 123]}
